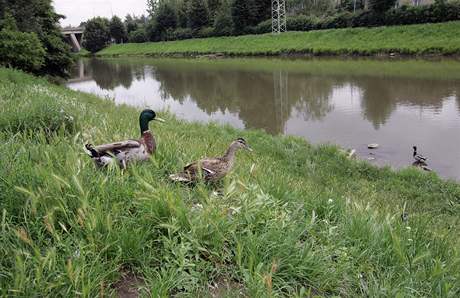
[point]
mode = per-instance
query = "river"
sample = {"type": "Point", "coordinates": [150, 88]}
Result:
{"type": "Point", "coordinates": [350, 102]}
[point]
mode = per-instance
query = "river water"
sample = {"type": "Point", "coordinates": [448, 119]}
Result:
{"type": "Point", "coordinates": [350, 102]}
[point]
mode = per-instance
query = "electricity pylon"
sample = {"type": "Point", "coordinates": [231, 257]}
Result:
{"type": "Point", "coordinates": [278, 16]}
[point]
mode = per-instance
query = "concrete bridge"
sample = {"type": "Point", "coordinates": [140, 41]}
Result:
{"type": "Point", "coordinates": [73, 37]}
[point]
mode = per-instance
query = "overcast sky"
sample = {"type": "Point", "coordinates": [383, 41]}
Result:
{"type": "Point", "coordinates": [77, 11]}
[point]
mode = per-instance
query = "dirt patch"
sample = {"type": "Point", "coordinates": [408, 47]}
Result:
{"type": "Point", "coordinates": [128, 285]}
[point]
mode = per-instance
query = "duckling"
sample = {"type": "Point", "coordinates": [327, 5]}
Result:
{"type": "Point", "coordinates": [211, 169]}
{"type": "Point", "coordinates": [129, 150]}
{"type": "Point", "coordinates": [418, 157]}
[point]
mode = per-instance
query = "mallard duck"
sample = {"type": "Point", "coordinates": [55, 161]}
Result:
{"type": "Point", "coordinates": [418, 158]}
{"type": "Point", "coordinates": [127, 151]}
{"type": "Point", "coordinates": [211, 169]}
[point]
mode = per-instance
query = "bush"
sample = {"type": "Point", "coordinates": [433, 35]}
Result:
{"type": "Point", "coordinates": [137, 36]}
{"type": "Point", "coordinates": [381, 6]}
{"type": "Point", "coordinates": [264, 27]}
{"type": "Point", "coordinates": [182, 33]}
{"type": "Point", "coordinates": [435, 13]}
{"type": "Point", "coordinates": [302, 23]}
{"type": "Point", "coordinates": [21, 50]}
{"type": "Point", "coordinates": [205, 32]}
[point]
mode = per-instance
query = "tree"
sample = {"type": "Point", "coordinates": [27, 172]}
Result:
{"type": "Point", "coordinates": [163, 22]}
{"type": "Point", "coordinates": [130, 24]}
{"type": "Point", "coordinates": [152, 6]}
{"type": "Point", "coordinates": [166, 16]}
{"type": "Point", "coordinates": [380, 6]}
{"type": "Point", "coordinates": [213, 8]}
{"type": "Point", "coordinates": [182, 9]}
{"type": "Point", "coordinates": [96, 35]}
{"type": "Point", "coordinates": [240, 15]}
{"type": "Point", "coordinates": [223, 24]}
{"type": "Point", "coordinates": [117, 30]}
{"type": "Point", "coordinates": [261, 11]}
{"type": "Point", "coordinates": [39, 17]}
{"type": "Point", "coordinates": [198, 16]}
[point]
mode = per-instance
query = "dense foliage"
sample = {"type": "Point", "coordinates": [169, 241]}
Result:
{"type": "Point", "coordinates": [96, 34]}
{"type": "Point", "coordinates": [183, 19]}
{"type": "Point", "coordinates": [118, 30]}
{"type": "Point", "coordinates": [38, 19]}
{"type": "Point", "coordinates": [21, 50]}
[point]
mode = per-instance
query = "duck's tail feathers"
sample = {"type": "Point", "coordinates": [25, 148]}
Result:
{"type": "Point", "coordinates": [179, 178]}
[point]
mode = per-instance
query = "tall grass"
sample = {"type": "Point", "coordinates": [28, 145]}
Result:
{"type": "Point", "coordinates": [425, 39]}
{"type": "Point", "coordinates": [292, 219]}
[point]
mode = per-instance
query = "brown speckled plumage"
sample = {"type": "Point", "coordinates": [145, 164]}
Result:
{"type": "Point", "coordinates": [211, 169]}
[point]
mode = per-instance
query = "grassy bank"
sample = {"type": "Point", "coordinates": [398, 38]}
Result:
{"type": "Point", "coordinates": [441, 39]}
{"type": "Point", "coordinates": [291, 220]}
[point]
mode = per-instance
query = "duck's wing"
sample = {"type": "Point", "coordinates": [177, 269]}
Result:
{"type": "Point", "coordinates": [208, 166]}
{"type": "Point", "coordinates": [118, 146]}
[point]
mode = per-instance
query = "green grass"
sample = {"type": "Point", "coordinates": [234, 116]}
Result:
{"type": "Point", "coordinates": [292, 219]}
{"type": "Point", "coordinates": [442, 38]}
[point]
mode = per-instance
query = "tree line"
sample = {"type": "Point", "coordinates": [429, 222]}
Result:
{"type": "Point", "coordinates": [183, 19]}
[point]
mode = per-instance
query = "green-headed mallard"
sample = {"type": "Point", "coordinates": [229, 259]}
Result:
{"type": "Point", "coordinates": [211, 169]}
{"type": "Point", "coordinates": [130, 150]}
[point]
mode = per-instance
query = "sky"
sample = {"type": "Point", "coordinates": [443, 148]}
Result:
{"type": "Point", "coordinates": [77, 11]}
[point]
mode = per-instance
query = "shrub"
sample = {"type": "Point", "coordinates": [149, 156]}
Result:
{"type": "Point", "coordinates": [182, 33]}
{"type": "Point", "coordinates": [264, 27]}
{"type": "Point", "coordinates": [380, 6]}
{"type": "Point", "coordinates": [404, 15]}
{"type": "Point", "coordinates": [205, 32]}
{"type": "Point", "coordinates": [137, 36]}
{"type": "Point", "coordinates": [21, 50]}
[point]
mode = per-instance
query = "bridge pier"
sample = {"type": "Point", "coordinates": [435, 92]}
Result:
{"type": "Point", "coordinates": [74, 37]}
{"type": "Point", "coordinates": [75, 44]}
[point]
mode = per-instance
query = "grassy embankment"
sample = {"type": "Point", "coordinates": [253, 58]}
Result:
{"type": "Point", "coordinates": [441, 39]}
{"type": "Point", "coordinates": [292, 220]}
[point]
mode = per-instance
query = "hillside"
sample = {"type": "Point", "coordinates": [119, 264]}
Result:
{"type": "Point", "coordinates": [425, 39]}
{"type": "Point", "coordinates": [291, 220]}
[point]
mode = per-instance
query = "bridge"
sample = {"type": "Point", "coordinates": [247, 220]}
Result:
{"type": "Point", "coordinates": [73, 37]}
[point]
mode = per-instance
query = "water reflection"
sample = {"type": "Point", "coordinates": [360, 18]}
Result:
{"type": "Point", "coordinates": [345, 102]}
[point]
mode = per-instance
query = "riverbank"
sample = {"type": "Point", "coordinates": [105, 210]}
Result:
{"type": "Point", "coordinates": [291, 219]}
{"type": "Point", "coordinates": [425, 39]}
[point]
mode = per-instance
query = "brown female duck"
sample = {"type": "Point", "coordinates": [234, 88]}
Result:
{"type": "Point", "coordinates": [211, 169]}
{"type": "Point", "coordinates": [127, 151]}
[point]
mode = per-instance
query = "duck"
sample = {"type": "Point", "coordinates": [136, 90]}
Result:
{"type": "Point", "coordinates": [418, 157]}
{"type": "Point", "coordinates": [211, 169]}
{"type": "Point", "coordinates": [124, 152]}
